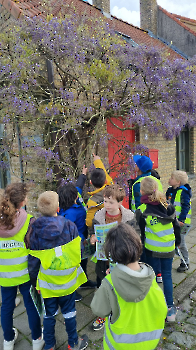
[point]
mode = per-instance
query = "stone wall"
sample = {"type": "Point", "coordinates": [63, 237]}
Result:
{"type": "Point", "coordinates": [148, 15]}
{"type": "Point", "coordinates": [167, 157]}
{"type": "Point", "coordinates": [102, 5]}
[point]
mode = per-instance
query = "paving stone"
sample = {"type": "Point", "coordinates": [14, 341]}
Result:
{"type": "Point", "coordinates": [181, 316]}
{"type": "Point", "coordinates": [190, 329]}
{"type": "Point", "coordinates": [191, 320]}
{"type": "Point", "coordinates": [178, 277]}
{"type": "Point", "coordinates": [22, 324]}
{"type": "Point", "coordinates": [186, 305]}
{"type": "Point", "coordinates": [84, 316]}
{"type": "Point", "coordinates": [182, 339]}
{"type": "Point", "coordinates": [193, 295]}
{"type": "Point", "coordinates": [94, 336]}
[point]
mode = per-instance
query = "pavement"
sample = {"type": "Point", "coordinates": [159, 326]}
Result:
{"type": "Point", "coordinates": [179, 335]}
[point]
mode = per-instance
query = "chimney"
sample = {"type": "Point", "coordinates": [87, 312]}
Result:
{"type": "Point", "coordinates": [148, 15]}
{"type": "Point", "coordinates": [103, 5]}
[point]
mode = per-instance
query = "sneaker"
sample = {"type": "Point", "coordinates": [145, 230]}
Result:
{"type": "Point", "coordinates": [98, 324]}
{"type": "Point", "coordinates": [78, 296]}
{"type": "Point", "coordinates": [9, 345]}
{"type": "Point", "coordinates": [159, 278]}
{"type": "Point", "coordinates": [171, 314]}
{"type": "Point", "coordinates": [182, 267]}
{"type": "Point", "coordinates": [38, 343]}
{"type": "Point", "coordinates": [89, 284]}
{"type": "Point", "coordinates": [82, 343]}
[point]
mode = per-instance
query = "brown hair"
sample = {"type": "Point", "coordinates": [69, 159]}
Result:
{"type": "Point", "coordinates": [123, 244]}
{"type": "Point", "coordinates": [150, 187]}
{"type": "Point", "coordinates": [181, 176]}
{"type": "Point", "coordinates": [114, 191]}
{"type": "Point", "coordinates": [11, 199]}
{"type": "Point", "coordinates": [48, 203]}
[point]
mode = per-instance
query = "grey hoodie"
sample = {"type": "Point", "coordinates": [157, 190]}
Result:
{"type": "Point", "coordinates": [131, 285]}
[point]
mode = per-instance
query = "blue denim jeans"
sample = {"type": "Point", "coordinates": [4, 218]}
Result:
{"type": "Point", "coordinates": [8, 306]}
{"type": "Point", "coordinates": [67, 305]}
{"type": "Point", "coordinates": [166, 270]}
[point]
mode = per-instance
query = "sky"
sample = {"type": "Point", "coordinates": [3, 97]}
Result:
{"type": "Point", "coordinates": [128, 10]}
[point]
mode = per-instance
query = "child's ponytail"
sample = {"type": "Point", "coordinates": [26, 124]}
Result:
{"type": "Point", "coordinates": [10, 202]}
{"type": "Point", "coordinates": [149, 187]}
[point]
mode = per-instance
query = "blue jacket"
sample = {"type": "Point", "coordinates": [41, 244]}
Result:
{"type": "Point", "coordinates": [48, 232]}
{"type": "Point", "coordinates": [136, 189]}
{"type": "Point", "coordinates": [77, 213]}
{"type": "Point", "coordinates": [184, 200]}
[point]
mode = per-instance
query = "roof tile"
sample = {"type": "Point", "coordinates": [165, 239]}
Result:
{"type": "Point", "coordinates": [31, 8]}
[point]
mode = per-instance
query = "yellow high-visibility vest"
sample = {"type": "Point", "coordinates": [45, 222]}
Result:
{"type": "Point", "coordinates": [177, 204]}
{"type": "Point", "coordinates": [159, 237]}
{"type": "Point", "coordinates": [139, 325]}
{"type": "Point", "coordinates": [14, 258]}
{"type": "Point", "coordinates": [60, 271]}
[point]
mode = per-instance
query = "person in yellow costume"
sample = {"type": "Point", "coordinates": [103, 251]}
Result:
{"type": "Point", "coordinates": [54, 261]}
{"type": "Point", "coordinates": [129, 297]}
{"type": "Point", "coordinates": [99, 179]}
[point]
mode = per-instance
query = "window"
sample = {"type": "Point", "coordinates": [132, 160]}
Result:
{"type": "Point", "coordinates": [182, 150]}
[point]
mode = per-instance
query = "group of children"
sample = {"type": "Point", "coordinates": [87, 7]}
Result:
{"type": "Point", "coordinates": [46, 253]}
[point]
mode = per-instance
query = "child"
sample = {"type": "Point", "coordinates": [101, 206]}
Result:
{"type": "Point", "coordinates": [129, 297]}
{"type": "Point", "coordinates": [143, 168]}
{"type": "Point", "coordinates": [99, 179]}
{"type": "Point", "coordinates": [14, 224]}
{"type": "Point", "coordinates": [160, 228]}
{"type": "Point", "coordinates": [55, 242]}
{"type": "Point", "coordinates": [112, 211]}
{"type": "Point", "coordinates": [179, 195]}
{"type": "Point", "coordinates": [71, 208]}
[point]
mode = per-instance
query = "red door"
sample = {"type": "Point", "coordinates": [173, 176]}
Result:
{"type": "Point", "coordinates": [118, 139]}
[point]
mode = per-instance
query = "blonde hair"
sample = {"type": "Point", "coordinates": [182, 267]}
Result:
{"type": "Point", "coordinates": [48, 203]}
{"type": "Point", "coordinates": [150, 187]}
{"type": "Point", "coordinates": [181, 176]}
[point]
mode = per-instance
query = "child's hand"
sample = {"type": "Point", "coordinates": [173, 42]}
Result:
{"type": "Point", "coordinates": [93, 239]}
{"type": "Point", "coordinates": [84, 170]}
{"type": "Point", "coordinates": [85, 242]}
{"type": "Point", "coordinates": [181, 223]}
{"type": "Point", "coordinates": [95, 157]}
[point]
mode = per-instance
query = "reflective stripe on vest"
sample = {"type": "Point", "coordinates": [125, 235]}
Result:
{"type": "Point", "coordinates": [82, 201]}
{"type": "Point", "coordinates": [135, 338]}
{"type": "Point", "coordinates": [177, 204]}
{"type": "Point", "coordinates": [133, 208]}
{"type": "Point", "coordinates": [60, 271]}
{"type": "Point", "coordinates": [14, 258]}
{"type": "Point", "coordinates": [159, 237]}
{"type": "Point", "coordinates": [149, 318]}
{"type": "Point", "coordinates": [52, 286]}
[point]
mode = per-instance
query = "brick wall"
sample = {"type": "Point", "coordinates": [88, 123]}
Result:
{"type": "Point", "coordinates": [103, 5]}
{"type": "Point", "coordinates": [166, 154]}
{"type": "Point", "coordinates": [148, 15]}
{"type": "Point", "coordinates": [167, 158]}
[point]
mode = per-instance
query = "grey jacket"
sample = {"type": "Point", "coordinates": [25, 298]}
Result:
{"type": "Point", "coordinates": [99, 219]}
{"type": "Point", "coordinates": [131, 285]}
